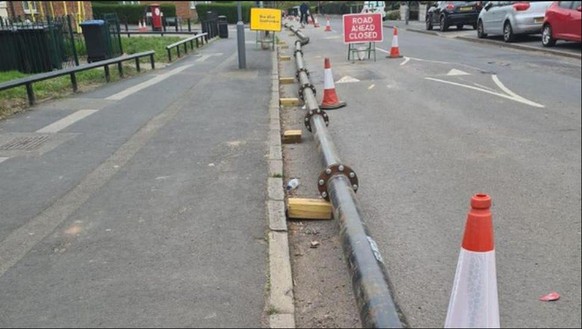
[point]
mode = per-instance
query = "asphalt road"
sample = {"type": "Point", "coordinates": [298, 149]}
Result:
{"type": "Point", "coordinates": [450, 119]}
{"type": "Point", "coordinates": [141, 203]}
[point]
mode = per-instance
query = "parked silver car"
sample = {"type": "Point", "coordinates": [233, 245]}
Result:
{"type": "Point", "coordinates": [510, 18]}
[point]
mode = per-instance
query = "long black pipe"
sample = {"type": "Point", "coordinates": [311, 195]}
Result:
{"type": "Point", "coordinates": [369, 279]}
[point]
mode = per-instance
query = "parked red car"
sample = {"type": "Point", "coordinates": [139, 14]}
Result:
{"type": "Point", "coordinates": [562, 22]}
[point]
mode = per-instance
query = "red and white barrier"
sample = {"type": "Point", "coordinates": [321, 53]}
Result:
{"type": "Point", "coordinates": [395, 50]}
{"type": "Point", "coordinates": [330, 99]}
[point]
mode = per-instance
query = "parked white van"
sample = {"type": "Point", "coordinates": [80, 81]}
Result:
{"type": "Point", "coordinates": [374, 7]}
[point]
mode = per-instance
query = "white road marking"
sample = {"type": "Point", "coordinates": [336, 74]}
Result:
{"type": "Point", "coordinates": [482, 86]}
{"type": "Point", "coordinates": [143, 85]}
{"type": "Point", "coordinates": [203, 58]}
{"type": "Point", "coordinates": [428, 60]}
{"type": "Point", "coordinates": [66, 121]}
{"type": "Point", "coordinates": [2, 159]}
{"type": "Point", "coordinates": [406, 59]}
{"type": "Point", "coordinates": [346, 79]}
{"type": "Point", "coordinates": [371, 86]}
{"type": "Point", "coordinates": [519, 99]}
{"type": "Point", "coordinates": [207, 56]}
{"type": "Point", "coordinates": [455, 72]}
{"type": "Point", "coordinates": [512, 94]}
{"type": "Point", "coordinates": [448, 63]}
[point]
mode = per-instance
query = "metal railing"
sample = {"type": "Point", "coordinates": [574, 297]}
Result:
{"type": "Point", "coordinates": [338, 184]}
{"type": "Point", "coordinates": [71, 71]}
{"type": "Point", "coordinates": [40, 46]}
{"type": "Point", "coordinates": [197, 38]}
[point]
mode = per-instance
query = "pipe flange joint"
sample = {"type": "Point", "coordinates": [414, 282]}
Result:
{"type": "Point", "coordinates": [302, 89]}
{"type": "Point", "coordinates": [313, 112]}
{"type": "Point", "coordinates": [297, 51]}
{"type": "Point", "coordinates": [303, 69]}
{"type": "Point", "coordinates": [334, 170]}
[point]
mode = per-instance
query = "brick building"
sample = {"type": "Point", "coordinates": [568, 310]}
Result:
{"type": "Point", "coordinates": [32, 10]}
{"type": "Point", "coordinates": [81, 10]}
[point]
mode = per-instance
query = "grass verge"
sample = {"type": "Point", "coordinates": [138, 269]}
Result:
{"type": "Point", "coordinates": [15, 100]}
{"type": "Point", "coordinates": [134, 45]}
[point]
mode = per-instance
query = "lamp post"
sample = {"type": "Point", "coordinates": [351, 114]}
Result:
{"type": "Point", "coordinates": [240, 32]}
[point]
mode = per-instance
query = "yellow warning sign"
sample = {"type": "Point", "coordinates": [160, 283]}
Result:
{"type": "Point", "coordinates": [264, 19]}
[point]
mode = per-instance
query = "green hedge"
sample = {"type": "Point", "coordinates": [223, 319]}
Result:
{"type": "Point", "coordinates": [129, 13]}
{"type": "Point", "coordinates": [341, 7]}
{"type": "Point", "coordinates": [228, 9]}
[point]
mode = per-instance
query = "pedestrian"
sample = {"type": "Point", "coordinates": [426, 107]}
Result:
{"type": "Point", "coordinates": [303, 10]}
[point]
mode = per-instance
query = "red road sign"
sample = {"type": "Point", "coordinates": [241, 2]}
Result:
{"type": "Point", "coordinates": [362, 28]}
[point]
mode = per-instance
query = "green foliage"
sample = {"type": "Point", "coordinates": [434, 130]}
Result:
{"type": "Point", "coordinates": [129, 13]}
{"type": "Point", "coordinates": [81, 48]}
{"type": "Point", "coordinates": [226, 9]}
{"type": "Point", "coordinates": [11, 75]}
{"type": "Point", "coordinates": [393, 15]}
{"type": "Point", "coordinates": [341, 7]}
{"type": "Point", "coordinates": [158, 44]}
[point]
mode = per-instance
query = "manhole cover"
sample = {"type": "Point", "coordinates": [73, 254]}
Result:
{"type": "Point", "coordinates": [28, 143]}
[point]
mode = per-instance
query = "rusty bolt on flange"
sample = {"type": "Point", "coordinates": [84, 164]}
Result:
{"type": "Point", "coordinates": [334, 170]}
{"type": "Point", "coordinates": [313, 112]}
{"type": "Point", "coordinates": [303, 69]}
{"type": "Point", "coordinates": [302, 89]}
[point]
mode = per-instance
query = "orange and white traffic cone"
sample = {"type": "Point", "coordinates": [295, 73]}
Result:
{"type": "Point", "coordinates": [395, 51]}
{"type": "Point", "coordinates": [474, 302]}
{"type": "Point", "coordinates": [327, 25]}
{"type": "Point", "coordinates": [330, 100]}
{"type": "Point", "coordinates": [315, 23]}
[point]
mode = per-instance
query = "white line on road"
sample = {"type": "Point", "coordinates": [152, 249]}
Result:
{"type": "Point", "coordinates": [482, 86]}
{"type": "Point", "coordinates": [406, 59]}
{"type": "Point", "coordinates": [448, 63]}
{"type": "Point", "coordinates": [66, 121]}
{"type": "Point", "coordinates": [207, 56]}
{"type": "Point", "coordinates": [512, 94]}
{"type": "Point", "coordinates": [143, 85]}
{"type": "Point", "coordinates": [203, 58]}
{"type": "Point", "coordinates": [520, 99]}
{"type": "Point", "coordinates": [2, 159]}
{"type": "Point", "coordinates": [371, 86]}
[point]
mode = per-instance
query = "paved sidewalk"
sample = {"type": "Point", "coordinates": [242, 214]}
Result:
{"type": "Point", "coordinates": [151, 211]}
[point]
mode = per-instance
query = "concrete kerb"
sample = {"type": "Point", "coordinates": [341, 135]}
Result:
{"type": "Point", "coordinates": [280, 307]}
{"type": "Point", "coordinates": [521, 47]}
{"type": "Point", "coordinates": [492, 42]}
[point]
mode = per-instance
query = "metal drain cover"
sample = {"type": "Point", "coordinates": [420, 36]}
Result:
{"type": "Point", "coordinates": [26, 143]}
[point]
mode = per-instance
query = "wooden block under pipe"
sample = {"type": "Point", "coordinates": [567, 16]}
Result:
{"type": "Point", "coordinates": [291, 136]}
{"type": "Point", "coordinates": [301, 208]}
{"type": "Point", "coordinates": [289, 101]}
{"type": "Point", "coordinates": [286, 80]}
